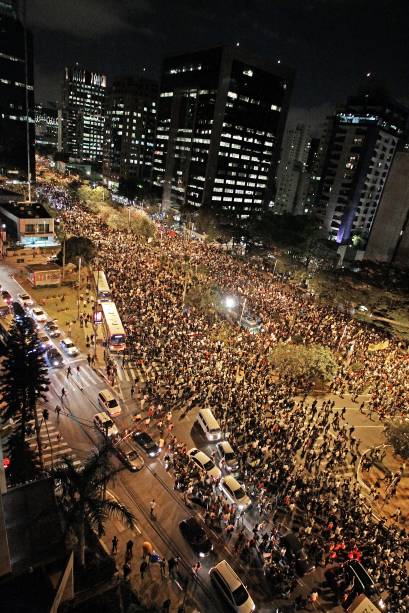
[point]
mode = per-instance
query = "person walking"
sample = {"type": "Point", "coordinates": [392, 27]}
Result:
{"type": "Point", "coordinates": [126, 569]}
{"type": "Point", "coordinates": [152, 508]}
{"type": "Point", "coordinates": [129, 549]}
{"type": "Point", "coordinates": [162, 566]}
{"type": "Point", "coordinates": [63, 393]}
{"type": "Point", "coordinates": [69, 372]}
{"type": "Point", "coordinates": [132, 391]}
{"type": "Point", "coordinates": [115, 542]}
{"type": "Point", "coordinates": [58, 411]}
{"type": "Point", "coordinates": [143, 568]}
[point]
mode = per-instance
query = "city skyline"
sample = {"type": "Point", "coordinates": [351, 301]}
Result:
{"type": "Point", "coordinates": [309, 37]}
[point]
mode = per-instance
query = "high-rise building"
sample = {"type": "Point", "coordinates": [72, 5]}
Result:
{"type": "Point", "coordinates": [363, 140]}
{"type": "Point", "coordinates": [220, 122]}
{"type": "Point", "coordinates": [129, 137]}
{"type": "Point", "coordinates": [293, 171]}
{"type": "Point", "coordinates": [47, 123]}
{"type": "Point", "coordinates": [16, 98]}
{"type": "Point", "coordinates": [83, 102]}
{"type": "Point", "coordinates": [389, 237]}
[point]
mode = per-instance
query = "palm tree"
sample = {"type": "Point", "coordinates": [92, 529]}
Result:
{"type": "Point", "coordinates": [82, 496]}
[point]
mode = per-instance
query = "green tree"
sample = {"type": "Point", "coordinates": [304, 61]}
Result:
{"type": "Point", "coordinates": [305, 365]}
{"type": "Point", "coordinates": [397, 435]}
{"type": "Point", "coordinates": [82, 497]}
{"type": "Point", "coordinates": [298, 233]}
{"type": "Point", "coordinates": [75, 247]}
{"type": "Point", "coordinates": [129, 188]}
{"type": "Point", "coordinates": [24, 381]}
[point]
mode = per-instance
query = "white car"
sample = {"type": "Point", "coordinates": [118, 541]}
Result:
{"type": "Point", "coordinates": [69, 348]}
{"type": "Point", "coordinates": [231, 588]}
{"type": "Point", "coordinates": [234, 492]}
{"type": "Point", "coordinates": [25, 300]}
{"type": "Point", "coordinates": [38, 314]}
{"type": "Point", "coordinates": [203, 462]}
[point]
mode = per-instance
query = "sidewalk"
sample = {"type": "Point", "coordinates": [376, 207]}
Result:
{"type": "Point", "coordinates": [375, 478]}
{"type": "Point", "coordinates": [153, 589]}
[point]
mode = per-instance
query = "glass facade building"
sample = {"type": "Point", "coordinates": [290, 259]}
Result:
{"type": "Point", "coordinates": [220, 123]}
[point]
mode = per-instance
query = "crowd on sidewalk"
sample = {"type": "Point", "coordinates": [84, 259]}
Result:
{"type": "Point", "coordinates": [266, 424]}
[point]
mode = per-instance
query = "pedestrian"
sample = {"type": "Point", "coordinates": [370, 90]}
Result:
{"type": "Point", "coordinates": [126, 570]}
{"type": "Point", "coordinates": [162, 565]}
{"type": "Point", "coordinates": [152, 508]}
{"type": "Point", "coordinates": [143, 568]}
{"type": "Point", "coordinates": [166, 606]}
{"type": "Point", "coordinates": [115, 542]}
{"type": "Point", "coordinates": [132, 390]}
{"type": "Point", "coordinates": [58, 411]}
{"type": "Point", "coordinates": [69, 372]}
{"type": "Point", "coordinates": [196, 568]}
{"type": "Point", "coordinates": [89, 359]}
{"type": "Point", "coordinates": [129, 548]}
{"type": "Point", "coordinates": [63, 393]}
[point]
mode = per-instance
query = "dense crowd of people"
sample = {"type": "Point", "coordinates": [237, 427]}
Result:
{"type": "Point", "coordinates": [288, 453]}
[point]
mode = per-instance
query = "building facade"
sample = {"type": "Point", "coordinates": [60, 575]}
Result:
{"type": "Point", "coordinates": [16, 98]}
{"type": "Point", "coordinates": [83, 105]}
{"type": "Point", "coordinates": [220, 122]}
{"type": "Point", "coordinates": [389, 238]}
{"type": "Point", "coordinates": [364, 137]}
{"type": "Point", "coordinates": [129, 137]}
{"type": "Point", "coordinates": [47, 127]}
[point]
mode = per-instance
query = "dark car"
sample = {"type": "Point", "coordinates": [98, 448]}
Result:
{"type": "Point", "coordinates": [147, 443]}
{"type": "Point", "coordinates": [54, 358]}
{"type": "Point", "coordinates": [193, 532]}
{"type": "Point", "coordinates": [296, 553]}
{"type": "Point", "coordinates": [52, 329]}
{"type": "Point", "coordinates": [19, 312]}
{"type": "Point", "coordinates": [7, 296]}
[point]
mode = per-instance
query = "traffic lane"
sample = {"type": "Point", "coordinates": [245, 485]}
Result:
{"type": "Point", "coordinates": [78, 407]}
{"type": "Point", "coordinates": [136, 491]}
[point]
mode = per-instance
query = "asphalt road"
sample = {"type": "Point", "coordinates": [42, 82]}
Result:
{"type": "Point", "coordinates": [136, 490]}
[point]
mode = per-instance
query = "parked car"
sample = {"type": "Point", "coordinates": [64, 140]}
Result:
{"type": "Point", "coordinates": [128, 455]}
{"type": "Point", "coordinates": [52, 329]}
{"type": "Point", "coordinates": [231, 588]}
{"type": "Point", "coordinates": [105, 425]}
{"type": "Point", "coordinates": [43, 341]}
{"type": "Point", "coordinates": [197, 538]}
{"type": "Point", "coordinates": [69, 348]}
{"type": "Point", "coordinates": [204, 463]}
{"type": "Point", "coordinates": [54, 358]}
{"type": "Point", "coordinates": [146, 442]}
{"type": "Point", "coordinates": [38, 314]}
{"type": "Point", "coordinates": [109, 403]}
{"type": "Point", "coordinates": [227, 457]}
{"type": "Point", "coordinates": [25, 300]}
{"type": "Point", "coordinates": [234, 492]}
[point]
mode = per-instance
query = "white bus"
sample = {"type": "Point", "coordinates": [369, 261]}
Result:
{"type": "Point", "coordinates": [113, 329]}
{"type": "Point", "coordinates": [102, 289]}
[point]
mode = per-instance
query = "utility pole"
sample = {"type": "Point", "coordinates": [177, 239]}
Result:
{"type": "Point", "coordinates": [79, 286]}
{"type": "Point", "coordinates": [63, 259]}
{"type": "Point", "coordinates": [242, 310]}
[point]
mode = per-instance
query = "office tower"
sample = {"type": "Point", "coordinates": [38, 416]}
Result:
{"type": "Point", "coordinates": [389, 237]}
{"type": "Point", "coordinates": [220, 121]}
{"type": "Point", "coordinates": [83, 103]}
{"type": "Point", "coordinates": [129, 131]}
{"type": "Point", "coordinates": [364, 136]}
{"type": "Point", "coordinates": [47, 118]}
{"type": "Point", "coordinates": [16, 99]}
{"type": "Point", "coordinates": [8, 8]}
{"type": "Point", "coordinates": [294, 171]}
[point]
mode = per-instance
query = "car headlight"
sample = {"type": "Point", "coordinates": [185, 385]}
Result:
{"type": "Point", "coordinates": [381, 603]}
{"type": "Point", "coordinates": [201, 554]}
{"type": "Point", "coordinates": [55, 363]}
{"type": "Point", "coordinates": [152, 454]}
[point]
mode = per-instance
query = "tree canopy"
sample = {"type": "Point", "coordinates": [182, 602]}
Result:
{"type": "Point", "coordinates": [24, 380]}
{"type": "Point", "coordinates": [303, 364]}
{"type": "Point", "coordinates": [295, 232]}
{"type": "Point", "coordinates": [75, 247]}
{"type": "Point", "coordinates": [397, 435]}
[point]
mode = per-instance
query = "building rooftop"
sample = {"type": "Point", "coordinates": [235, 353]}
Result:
{"type": "Point", "coordinates": [42, 267]}
{"type": "Point", "coordinates": [25, 210]}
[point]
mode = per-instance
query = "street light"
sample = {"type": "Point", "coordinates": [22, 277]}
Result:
{"type": "Point", "coordinates": [230, 302]}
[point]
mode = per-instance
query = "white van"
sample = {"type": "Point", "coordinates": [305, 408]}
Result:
{"type": "Point", "coordinates": [209, 425]}
{"type": "Point", "coordinates": [105, 425]}
{"type": "Point", "coordinates": [109, 403]}
{"type": "Point", "coordinates": [231, 588]}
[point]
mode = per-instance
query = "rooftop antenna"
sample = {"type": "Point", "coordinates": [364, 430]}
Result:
{"type": "Point", "coordinates": [27, 109]}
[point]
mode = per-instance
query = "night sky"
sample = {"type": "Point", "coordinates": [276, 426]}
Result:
{"type": "Point", "coordinates": [331, 44]}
